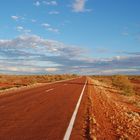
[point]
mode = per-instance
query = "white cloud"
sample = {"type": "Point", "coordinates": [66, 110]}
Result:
{"type": "Point", "coordinates": [51, 2]}
{"type": "Point", "coordinates": [125, 33]}
{"type": "Point", "coordinates": [54, 12]}
{"type": "Point", "coordinates": [15, 17]}
{"type": "Point", "coordinates": [53, 30]}
{"type": "Point", "coordinates": [34, 54]}
{"type": "Point", "coordinates": [18, 52]}
{"type": "Point", "coordinates": [18, 69]}
{"type": "Point", "coordinates": [79, 6]}
{"type": "Point", "coordinates": [33, 20]}
{"type": "Point", "coordinates": [26, 31]}
{"type": "Point", "coordinates": [37, 3]}
{"type": "Point", "coordinates": [117, 71]}
{"type": "Point", "coordinates": [19, 28]}
{"type": "Point", "coordinates": [49, 28]}
{"type": "Point", "coordinates": [46, 25]}
{"type": "Point", "coordinates": [32, 41]}
{"type": "Point", "coordinates": [22, 29]}
{"type": "Point", "coordinates": [51, 69]}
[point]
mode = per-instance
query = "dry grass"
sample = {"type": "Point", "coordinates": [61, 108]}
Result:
{"type": "Point", "coordinates": [135, 80]}
{"type": "Point", "coordinates": [9, 81]}
{"type": "Point", "coordinates": [123, 83]}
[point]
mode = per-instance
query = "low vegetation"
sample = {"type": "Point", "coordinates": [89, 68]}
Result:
{"type": "Point", "coordinates": [9, 81]}
{"type": "Point", "coordinates": [135, 80]}
{"type": "Point", "coordinates": [123, 83]}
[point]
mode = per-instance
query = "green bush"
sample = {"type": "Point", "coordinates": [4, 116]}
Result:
{"type": "Point", "coordinates": [122, 82]}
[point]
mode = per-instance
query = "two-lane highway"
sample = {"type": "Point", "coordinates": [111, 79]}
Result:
{"type": "Point", "coordinates": [41, 113]}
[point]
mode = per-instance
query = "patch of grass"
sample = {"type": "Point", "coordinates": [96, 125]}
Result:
{"type": "Point", "coordinates": [21, 80]}
{"type": "Point", "coordinates": [123, 83]}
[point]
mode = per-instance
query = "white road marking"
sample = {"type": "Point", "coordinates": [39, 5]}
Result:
{"type": "Point", "coordinates": [70, 127]}
{"type": "Point", "coordinates": [49, 90]}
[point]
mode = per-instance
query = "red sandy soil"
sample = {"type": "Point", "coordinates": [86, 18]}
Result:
{"type": "Point", "coordinates": [136, 85]}
{"type": "Point", "coordinates": [5, 85]}
{"type": "Point", "coordinates": [114, 116]}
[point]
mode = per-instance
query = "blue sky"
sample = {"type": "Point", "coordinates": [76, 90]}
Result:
{"type": "Point", "coordinates": [71, 36]}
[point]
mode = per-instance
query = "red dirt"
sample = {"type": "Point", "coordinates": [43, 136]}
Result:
{"type": "Point", "coordinates": [5, 85]}
{"type": "Point", "coordinates": [114, 115]}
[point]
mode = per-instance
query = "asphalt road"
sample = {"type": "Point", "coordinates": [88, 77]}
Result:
{"type": "Point", "coordinates": [40, 113]}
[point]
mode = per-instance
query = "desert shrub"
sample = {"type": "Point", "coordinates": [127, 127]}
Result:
{"type": "Point", "coordinates": [122, 82]}
{"type": "Point", "coordinates": [23, 80]}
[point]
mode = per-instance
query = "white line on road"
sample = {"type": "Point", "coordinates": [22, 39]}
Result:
{"type": "Point", "coordinates": [49, 90]}
{"type": "Point", "coordinates": [70, 127]}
